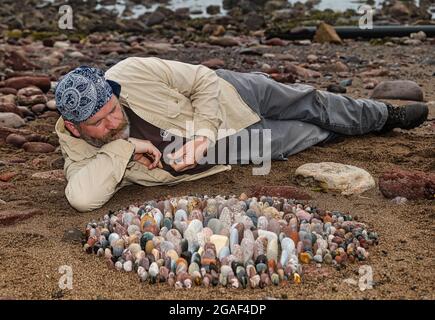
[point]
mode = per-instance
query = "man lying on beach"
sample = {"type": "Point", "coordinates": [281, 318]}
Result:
{"type": "Point", "coordinates": [154, 122]}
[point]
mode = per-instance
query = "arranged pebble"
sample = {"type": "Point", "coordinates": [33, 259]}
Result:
{"type": "Point", "coordinates": [228, 241]}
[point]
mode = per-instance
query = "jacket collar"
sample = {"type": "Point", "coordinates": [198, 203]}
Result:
{"type": "Point", "coordinates": [77, 149]}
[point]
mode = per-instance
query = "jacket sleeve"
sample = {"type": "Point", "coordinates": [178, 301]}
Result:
{"type": "Point", "coordinates": [201, 85]}
{"type": "Point", "coordinates": [198, 83]}
{"type": "Point", "coordinates": [92, 182]}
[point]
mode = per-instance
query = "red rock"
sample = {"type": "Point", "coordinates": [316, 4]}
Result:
{"type": "Point", "coordinates": [8, 91]}
{"type": "Point", "coordinates": [42, 82]}
{"type": "Point", "coordinates": [275, 42]}
{"type": "Point", "coordinates": [283, 77]}
{"type": "Point", "coordinates": [302, 72]}
{"type": "Point", "coordinates": [409, 184]}
{"type": "Point", "coordinates": [9, 107]}
{"type": "Point", "coordinates": [8, 217]}
{"type": "Point", "coordinates": [213, 63]}
{"type": "Point", "coordinates": [223, 41]}
{"type": "Point", "coordinates": [38, 147]}
{"type": "Point", "coordinates": [6, 176]}
{"type": "Point", "coordinates": [16, 140]}
{"type": "Point", "coordinates": [279, 191]}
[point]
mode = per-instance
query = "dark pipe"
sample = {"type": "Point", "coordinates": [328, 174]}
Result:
{"type": "Point", "coordinates": [354, 32]}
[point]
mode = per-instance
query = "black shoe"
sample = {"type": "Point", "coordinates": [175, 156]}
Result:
{"type": "Point", "coordinates": [406, 117]}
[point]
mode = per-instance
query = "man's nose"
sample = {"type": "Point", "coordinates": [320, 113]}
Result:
{"type": "Point", "coordinates": [113, 123]}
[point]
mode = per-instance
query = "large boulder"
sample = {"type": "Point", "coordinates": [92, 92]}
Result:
{"type": "Point", "coordinates": [336, 177]}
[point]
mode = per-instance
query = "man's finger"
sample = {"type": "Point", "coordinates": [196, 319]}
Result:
{"type": "Point", "coordinates": [145, 161]}
{"type": "Point", "coordinates": [188, 167]}
{"type": "Point", "coordinates": [177, 154]}
{"type": "Point", "coordinates": [179, 167]}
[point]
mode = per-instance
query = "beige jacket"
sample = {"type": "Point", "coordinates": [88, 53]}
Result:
{"type": "Point", "coordinates": [167, 94]}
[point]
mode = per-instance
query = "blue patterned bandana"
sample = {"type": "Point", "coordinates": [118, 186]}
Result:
{"type": "Point", "coordinates": [82, 92]}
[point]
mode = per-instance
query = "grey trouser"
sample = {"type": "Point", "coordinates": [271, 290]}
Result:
{"type": "Point", "coordinates": [301, 116]}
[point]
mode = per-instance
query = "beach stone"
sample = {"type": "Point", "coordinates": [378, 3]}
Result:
{"type": "Point", "coordinates": [247, 246]}
{"type": "Point", "coordinates": [174, 236]}
{"type": "Point", "coordinates": [16, 140]}
{"type": "Point", "coordinates": [331, 176]}
{"type": "Point", "coordinates": [180, 215]}
{"type": "Point", "coordinates": [51, 105]}
{"type": "Point", "coordinates": [302, 72]}
{"type": "Point", "coordinates": [11, 108]}
{"type": "Point", "coordinates": [225, 41]}
{"type": "Point", "coordinates": [38, 147]}
{"type": "Point", "coordinates": [398, 89]}
{"type": "Point", "coordinates": [29, 91]}
{"type": "Point", "coordinates": [272, 250]}
{"type": "Point", "coordinates": [204, 236]}
{"type": "Point", "coordinates": [411, 184]}
{"type": "Point", "coordinates": [327, 33]}
{"type": "Point", "coordinates": [262, 223]}
{"type": "Point", "coordinates": [303, 215]}
{"type": "Point", "coordinates": [268, 235]}
{"type": "Point", "coordinates": [327, 258]}
{"type": "Point", "coordinates": [305, 257]}
{"type": "Point", "coordinates": [248, 234]}
{"type": "Point", "coordinates": [237, 253]}
{"type": "Point", "coordinates": [336, 88]}
{"type": "Point", "coordinates": [191, 233]}
{"type": "Point", "coordinates": [155, 18]}
{"type": "Point", "coordinates": [225, 217]}
{"type": "Point", "coordinates": [42, 82]}
{"type": "Point", "coordinates": [7, 91]}
{"type": "Point", "coordinates": [38, 108]}
{"type": "Point", "coordinates": [11, 120]}
{"type": "Point", "coordinates": [215, 225]}
{"type": "Point", "coordinates": [8, 217]}
{"type": "Point", "coordinates": [219, 242]}
{"type": "Point", "coordinates": [234, 238]}
{"type": "Point", "coordinates": [214, 63]}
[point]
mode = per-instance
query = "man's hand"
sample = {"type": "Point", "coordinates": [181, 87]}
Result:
{"type": "Point", "coordinates": [146, 153]}
{"type": "Point", "coordinates": [188, 156]}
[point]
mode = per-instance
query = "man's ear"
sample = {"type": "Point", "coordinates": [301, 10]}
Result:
{"type": "Point", "coordinates": [72, 128]}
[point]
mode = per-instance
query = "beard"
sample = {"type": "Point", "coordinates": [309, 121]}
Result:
{"type": "Point", "coordinates": [122, 132]}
